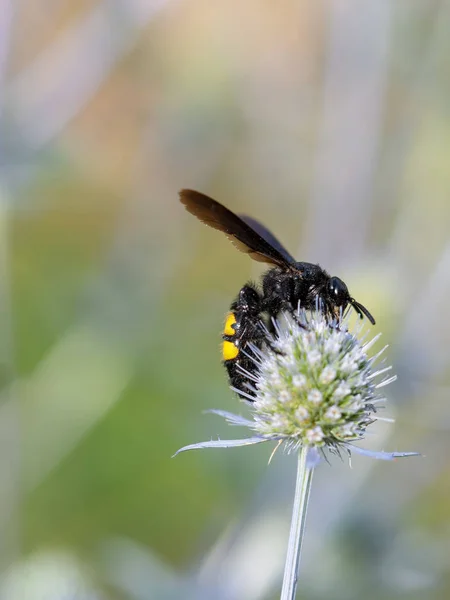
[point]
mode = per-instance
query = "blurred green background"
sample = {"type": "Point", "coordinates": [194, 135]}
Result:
{"type": "Point", "coordinates": [329, 121]}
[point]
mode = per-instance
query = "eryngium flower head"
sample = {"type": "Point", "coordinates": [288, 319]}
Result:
{"type": "Point", "coordinates": [314, 384]}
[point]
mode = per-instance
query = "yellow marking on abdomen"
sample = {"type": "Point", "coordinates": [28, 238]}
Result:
{"type": "Point", "coordinates": [231, 320]}
{"type": "Point", "coordinates": [229, 350]}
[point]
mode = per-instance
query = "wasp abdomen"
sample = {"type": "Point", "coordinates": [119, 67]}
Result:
{"type": "Point", "coordinates": [230, 325]}
{"type": "Point", "coordinates": [243, 325]}
{"type": "Point", "coordinates": [230, 344]}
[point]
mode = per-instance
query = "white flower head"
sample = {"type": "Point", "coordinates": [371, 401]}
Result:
{"type": "Point", "coordinates": [333, 383]}
{"type": "Point", "coordinates": [313, 385]}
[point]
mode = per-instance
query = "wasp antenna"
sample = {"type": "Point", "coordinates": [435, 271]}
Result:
{"type": "Point", "coordinates": [362, 310]}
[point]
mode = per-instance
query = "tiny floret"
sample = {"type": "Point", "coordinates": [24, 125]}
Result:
{"type": "Point", "coordinates": [349, 430]}
{"type": "Point", "coordinates": [302, 414]}
{"type": "Point", "coordinates": [315, 397]}
{"type": "Point", "coordinates": [299, 381]}
{"type": "Point", "coordinates": [314, 436]}
{"type": "Point", "coordinates": [355, 405]}
{"type": "Point", "coordinates": [278, 422]}
{"type": "Point", "coordinates": [342, 390]}
{"type": "Point", "coordinates": [333, 413]}
{"type": "Point", "coordinates": [328, 375]}
{"type": "Point", "coordinates": [274, 378]}
{"type": "Point", "coordinates": [313, 357]}
{"type": "Point", "coordinates": [284, 395]}
{"type": "Point", "coordinates": [331, 346]}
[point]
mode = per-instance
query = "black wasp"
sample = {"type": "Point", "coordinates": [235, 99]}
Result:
{"type": "Point", "coordinates": [284, 286]}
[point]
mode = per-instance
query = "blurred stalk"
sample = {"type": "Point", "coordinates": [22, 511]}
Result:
{"type": "Point", "coordinates": [5, 28]}
{"type": "Point", "coordinates": [9, 416]}
{"type": "Point", "coordinates": [297, 532]}
{"type": "Point", "coordinates": [418, 88]}
{"type": "Point", "coordinates": [356, 68]}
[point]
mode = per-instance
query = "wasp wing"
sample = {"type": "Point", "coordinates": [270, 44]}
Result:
{"type": "Point", "coordinates": [268, 236]}
{"type": "Point", "coordinates": [241, 234]}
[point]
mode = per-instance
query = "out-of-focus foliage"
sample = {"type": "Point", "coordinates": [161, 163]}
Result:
{"type": "Point", "coordinates": [328, 121]}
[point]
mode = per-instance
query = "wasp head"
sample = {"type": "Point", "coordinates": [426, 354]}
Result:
{"type": "Point", "coordinates": [339, 298]}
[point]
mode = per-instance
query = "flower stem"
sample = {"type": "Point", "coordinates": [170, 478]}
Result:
{"type": "Point", "coordinates": [302, 489]}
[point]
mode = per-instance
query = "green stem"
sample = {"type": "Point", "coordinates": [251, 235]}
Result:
{"type": "Point", "coordinates": [302, 489]}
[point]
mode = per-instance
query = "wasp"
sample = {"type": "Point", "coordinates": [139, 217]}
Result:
{"type": "Point", "coordinates": [287, 285]}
